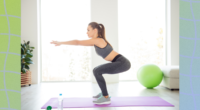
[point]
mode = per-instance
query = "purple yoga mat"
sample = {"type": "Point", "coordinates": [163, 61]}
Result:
{"type": "Point", "coordinates": [85, 102]}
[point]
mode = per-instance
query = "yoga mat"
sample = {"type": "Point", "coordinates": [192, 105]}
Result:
{"type": "Point", "coordinates": [85, 102]}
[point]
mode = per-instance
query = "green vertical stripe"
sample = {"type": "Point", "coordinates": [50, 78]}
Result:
{"type": "Point", "coordinates": [10, 51]}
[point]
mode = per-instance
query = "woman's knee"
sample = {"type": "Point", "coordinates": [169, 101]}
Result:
{"type": "Point", "coordinates": [95, 72]}
{"type": "Point", "coordinates": [129, 64]}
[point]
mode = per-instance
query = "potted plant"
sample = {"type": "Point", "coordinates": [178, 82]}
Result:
{"type": "Point", "coordinates": [26, 55]}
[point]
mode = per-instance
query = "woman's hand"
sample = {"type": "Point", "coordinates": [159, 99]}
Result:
{"type": "Point", "coordinates": [56, 43]}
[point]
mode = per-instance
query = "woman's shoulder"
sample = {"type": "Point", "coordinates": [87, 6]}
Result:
{"type": "Point", "coordinates": [100, 41]}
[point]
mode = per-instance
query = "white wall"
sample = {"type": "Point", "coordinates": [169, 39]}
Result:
{"type": "Point", "coordinates": [105, 12]}
{"type": "Point", "coordinates": [29, 32]}
{"type": "Point", "coordinates": [172, 32]}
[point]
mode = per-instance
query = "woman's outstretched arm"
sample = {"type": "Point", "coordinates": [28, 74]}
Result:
{"type": "Point", "coordinates": [90, 42]}
{"type": "Point", "coordinates": [71, 42]}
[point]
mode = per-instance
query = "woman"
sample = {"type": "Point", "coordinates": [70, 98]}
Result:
{"type": "Point", "coordinates": [118, 63]}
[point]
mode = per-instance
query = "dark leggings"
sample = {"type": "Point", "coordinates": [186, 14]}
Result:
{"type": "Point", "coordinates": [118, 64]}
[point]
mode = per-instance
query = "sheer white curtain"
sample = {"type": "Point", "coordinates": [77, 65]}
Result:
{"type": "Point", "coordinates": [141, 33]}
{"type": "Point", "coordinates": [63, 20]}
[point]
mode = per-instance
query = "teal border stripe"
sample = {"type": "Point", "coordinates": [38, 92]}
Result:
{"type": "Point", "coordinates": [189, 54]}
{"type": "Point", "coordinates": [10, 54]}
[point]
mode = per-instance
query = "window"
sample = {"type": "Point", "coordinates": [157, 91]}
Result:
{"type": "Point", "coordinates": [141, 33]}
{"type": "Point", "coordinates": [64, 20]}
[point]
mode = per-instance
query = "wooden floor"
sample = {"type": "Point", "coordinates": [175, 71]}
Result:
{"type": "Point", "coordinates": [35, 96]}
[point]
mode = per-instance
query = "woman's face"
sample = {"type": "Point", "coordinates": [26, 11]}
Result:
{"type": "Point", "coordinates": [91, 32]}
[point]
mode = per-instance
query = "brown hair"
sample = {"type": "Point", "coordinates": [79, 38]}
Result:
{"type": "Point", "coordinates": [101, 30]}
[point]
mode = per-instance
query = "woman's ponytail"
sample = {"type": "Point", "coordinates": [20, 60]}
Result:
{"type": "Point", "coordinates": [101, 30]}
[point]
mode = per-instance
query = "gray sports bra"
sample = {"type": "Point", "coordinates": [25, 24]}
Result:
{"type": "Point", "coordinates": [103, 52]}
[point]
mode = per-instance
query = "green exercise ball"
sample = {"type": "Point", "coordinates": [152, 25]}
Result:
{"type": "Point", "coordinates": [149, 75]}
